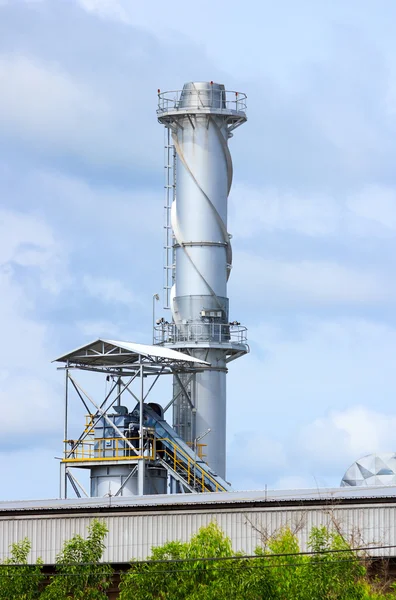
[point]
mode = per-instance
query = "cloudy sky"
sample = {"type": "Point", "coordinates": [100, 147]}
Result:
{"type": "Point", "coordinates": [312, 213]}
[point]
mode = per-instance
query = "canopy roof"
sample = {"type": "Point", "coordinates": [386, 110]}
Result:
{"type": "Point", "coordinates": [108, 353]}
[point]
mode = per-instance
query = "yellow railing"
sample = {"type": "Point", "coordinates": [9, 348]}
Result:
{"type": "Point", "coordinates": [115, 449]}
{"type": "Point", "coordinates": [107, 449]}
{"type": "Point", "coordinates": [199, 449]}
{"type": "Point", "coordinates": [89, 424]}
{"type": "Point", "coordinates": [191, 470]}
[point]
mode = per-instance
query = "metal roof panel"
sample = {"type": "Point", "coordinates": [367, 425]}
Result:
{"type": "Point", "coordinates": [129, 353]}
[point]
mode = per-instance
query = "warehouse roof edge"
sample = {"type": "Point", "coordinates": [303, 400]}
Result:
{"type": "Point", "coordinates": [160, 503]}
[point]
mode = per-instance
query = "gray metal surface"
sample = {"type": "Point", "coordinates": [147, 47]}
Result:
{"type": "Point", "coordinates": [201, 117]}
{"type": "Point", "coordinates": [122, 480]}
{"type": "Point", "coordinates": [249, 496]}
{"type": "Point", "coordinates": [108, 352]}
{"type": "Point", "coordinates": [373, 469]}
{"type": "Point", "coordinates": [137, 524]}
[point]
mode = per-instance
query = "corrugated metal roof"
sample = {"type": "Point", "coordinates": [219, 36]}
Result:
{"type": "Point", "coordinates": [158, 352]}
{"type": "Point", "coordinates": [103, 351]}
{"type": "Point", "coordinates": [178, 500]}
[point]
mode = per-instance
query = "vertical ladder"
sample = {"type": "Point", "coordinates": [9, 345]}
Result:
{"type": "Point", "coordinates": [170, 193]}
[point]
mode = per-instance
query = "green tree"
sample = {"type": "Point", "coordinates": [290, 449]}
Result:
{"type": "Point", "coordinates": [282, 566]}
{"type": "Point", "coordinates": [79, 573]}
{"type": "Point", "coordinates": [334, 570]}
{"type": "Point", "coordinates": [176, 571]}
{"type": "Point", "coordinates": [18, 579]}
{"type": "Point", "coordinates": [183, 575]}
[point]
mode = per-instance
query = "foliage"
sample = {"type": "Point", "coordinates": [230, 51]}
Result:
{"type": "Point", "coordinates": [281, 572]}
{"type": "Point", "coordinates": [79, 574]}
{"type": "Point", "coordinates": [186, 576]}
{"type": "Point", "coordinates": [165, 579]}
{"type": "Point", "coordinates": [334, 571]}
{"type": "Point", "coordinates": [18, 580]}
{"type": "Point", "coordinates": [205, 568]}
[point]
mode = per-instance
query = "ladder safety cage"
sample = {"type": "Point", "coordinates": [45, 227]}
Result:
{"type": "Point", "coordinates": [170, 192]}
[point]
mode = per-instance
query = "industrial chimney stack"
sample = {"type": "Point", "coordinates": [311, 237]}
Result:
{"type": "Point", "coordinates": [200, 119]}
{"type": "Point", "coordinates": [127, 444]}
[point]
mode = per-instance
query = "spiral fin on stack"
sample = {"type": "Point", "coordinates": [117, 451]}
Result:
{"type": "Point", "coordinates": [201, 118]}
{"type": "Point", "coordinates": [178, 234]}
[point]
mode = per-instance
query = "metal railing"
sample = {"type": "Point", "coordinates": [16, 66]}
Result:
{"type": "Point", "coordinates": [199, 449]}
{"type": "Point", "coordinates": [170, 333]}
{"type": "Point", "coordinates": [115, 448]}
{"type": "Point", "coordinates": [191, 471]}
{"type": "Point", "coordinates": [165, 449]}
{"type": "Point", "coordinates": [186, 100]}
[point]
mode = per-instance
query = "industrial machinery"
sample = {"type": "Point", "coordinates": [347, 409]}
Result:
{"type": "Point", "coordinates": [200, 119]}
{"type": "Point", "coordinates": [127, 446]}
{"type": "Point", "coordinates": [128, 450]}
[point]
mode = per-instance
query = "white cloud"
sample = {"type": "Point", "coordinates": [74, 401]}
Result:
{"type": "Point", "coordinates": [97, 329]}
{"type": "Point", "coordinates": [29, 407]}
{"type": "Point", "coordinates": [376, 205]}
{"type": "Point", "coordinates": [18, 233]}
{"type": "Point", "coordinates": [324, 364]}
{"type": "Point", "coordinates": [369, 212]}
{"type": "Point", "coordinates": [64, 114]}
{"type": "Point", "coordinates": [342, 437]}
{"type": "Point", "coordinates": [320, 394]}
{"type": "Point", "coordinates": [316, 455]}
{"type": "Point", "coordinates": [312, 282]}
{"type": "Point", "coordinates": [263, 452]}
{"type": "Point", "coordinates": [29, 473]}
{"type": "Point", "coordinates": [58, 105]}
{"type": "Point", "coordinates": [110, 291]}
{"type": "Point", "coordinates": [257, 209]}
{"type": "Point", "coordinates": [16, 326]}
{"type": "Point", "coordinates": [27, 241]}
{"type": "Point", "coordinates": [28, 394]}
{"type": "Point", "coordinates": [127, 211]}
{"type": "Point", "coordinates": [252, 456]}
{"type": "Point", "coordinates": [106, 9]}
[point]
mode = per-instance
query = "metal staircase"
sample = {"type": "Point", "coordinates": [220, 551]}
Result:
{"type": "Point", "coordinates": [179, 459]}
{"type": "Point", "coordinates": [162, 446]}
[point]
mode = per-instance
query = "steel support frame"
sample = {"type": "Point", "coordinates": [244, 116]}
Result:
{"type": "Point", "coordinates": [141, 465]}
{"type": "Point", "coordinates": [138, 372]}
{"type": "Point", "coordinates": [101, 411]}
{"type": "Point", "coordinates": [63, 468]}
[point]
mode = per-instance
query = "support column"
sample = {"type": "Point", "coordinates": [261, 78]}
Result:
{"type": "Point", "coordinates": [63, 471]}
{"type": "Point", "coordinates": [141, 450]}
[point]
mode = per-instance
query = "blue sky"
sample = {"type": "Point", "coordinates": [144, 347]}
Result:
{"type": "Point", "coordinates": [312, 213]}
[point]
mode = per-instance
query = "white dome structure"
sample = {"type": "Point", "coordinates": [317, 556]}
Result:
{"type": "Point", "coordinates": [373, 469]}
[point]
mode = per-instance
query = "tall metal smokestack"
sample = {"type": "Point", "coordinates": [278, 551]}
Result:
{"type": "Point", "coordinates": [200, 120]}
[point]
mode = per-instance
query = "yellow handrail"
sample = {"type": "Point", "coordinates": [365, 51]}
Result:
{"type": "Point", "coordinates": [94, 449]}
{"type": "Point", "coordinates": [194, 463]}
{"type": "Point", "coordinates": [199, 449]}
